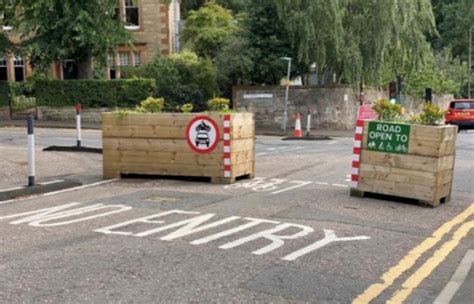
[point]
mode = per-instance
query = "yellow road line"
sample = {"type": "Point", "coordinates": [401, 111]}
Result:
{"type": "Point", "coordinates": [424, 271]}
{"type": "Point", "coordinates": [409, 260]}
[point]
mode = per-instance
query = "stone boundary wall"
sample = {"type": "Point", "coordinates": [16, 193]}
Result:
{"type": "Point", "coordinates": [69, 114]}
{"type": "Point", "coordinates": [334, 108]}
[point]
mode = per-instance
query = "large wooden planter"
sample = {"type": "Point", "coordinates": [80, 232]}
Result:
{"type": "Point", "coordinates": [424, 173]}
{"type": "Point", "coordinates": [157, 144]}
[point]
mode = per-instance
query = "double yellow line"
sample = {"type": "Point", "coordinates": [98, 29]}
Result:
{"type": "Point", "coordinates": [389, 277]}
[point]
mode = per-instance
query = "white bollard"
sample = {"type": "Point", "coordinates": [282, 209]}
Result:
{"type": "Point", "coordinates": [31, 152]}
{"type": "Point", "coordinates": [78, 124]}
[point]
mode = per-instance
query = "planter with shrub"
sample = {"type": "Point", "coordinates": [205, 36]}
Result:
{"type": "Point", "coordinates": [219, 145]}
{"type": "Point", "coordinates": [411, 159]}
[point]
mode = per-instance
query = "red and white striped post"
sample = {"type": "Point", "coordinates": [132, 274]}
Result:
{"type": "Point", "coordinates": [356, 153]}
{"type": "Point", "coordinates": [227, 150]}
{"type": "Point", "coordinates": [78, 124]}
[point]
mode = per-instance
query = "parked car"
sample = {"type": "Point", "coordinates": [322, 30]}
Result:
{"type": "Point", "coordinates": [461, 113]}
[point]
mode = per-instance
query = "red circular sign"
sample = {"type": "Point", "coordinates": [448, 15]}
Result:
{"type": "Point", "coordinates": [202, 134]}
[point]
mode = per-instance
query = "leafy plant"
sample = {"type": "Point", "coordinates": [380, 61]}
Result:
{"type": "Point", "coordinates": [151, 105]}
{"type": "Point", "coordinates": [186, 108]}
{"type": "Point", "coordinates": [386, 111]}
{"type": "Point", "coordinates": [431, 115]}
{"type": "Point", "coordinates": [218, 104]}
{"type": "Point", "coordinates": [21, 103]}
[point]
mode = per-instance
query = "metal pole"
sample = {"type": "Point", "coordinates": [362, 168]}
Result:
{"type": "Point", "coordinates": [31, 152]}
{"type": "Point", "coordinates": [469, 64]}
{"type": "Point", "coordinates": [78, 124]}
{"type": "Point", "coordinates": [285, 113]}
{"type": "Point", "coordinates": [308, 122]}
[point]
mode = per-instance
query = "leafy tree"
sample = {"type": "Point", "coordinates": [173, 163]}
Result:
{"type": "Point", "coordinates": [55, 30]}
{"type": "Point", "coordinates": [207, 28]}
{"type": "Point", "coordinates": [355, 39]}
{"type": "Point", "coordinates": [454, 19]}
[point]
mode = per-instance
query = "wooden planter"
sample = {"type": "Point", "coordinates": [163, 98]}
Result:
{"type": "Point", "coordinates": [423, 171]}
{"type": "Point", "coordinates": [158, 144]}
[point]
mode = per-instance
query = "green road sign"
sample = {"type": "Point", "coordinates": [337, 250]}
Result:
{"type": "Point", "coordinates": [388, 137]}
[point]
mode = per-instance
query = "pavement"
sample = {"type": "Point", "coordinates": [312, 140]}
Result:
{"type": "Point", "coordinates": [291, 235]}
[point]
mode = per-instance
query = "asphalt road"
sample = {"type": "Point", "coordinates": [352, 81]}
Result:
{"type": "Point", "coordinates": [292, 235]}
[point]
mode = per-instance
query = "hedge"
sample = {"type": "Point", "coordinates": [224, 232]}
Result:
{"type": "Point", "coordinates": [4, 93]}
{"type": "Point", "coordinates": [93, 93]}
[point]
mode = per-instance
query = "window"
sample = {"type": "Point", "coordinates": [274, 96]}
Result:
{"type": "Point", "coordinates": [3, 69]}
{"type": "Point", "coordinates": [131, 15]}
{"type": "Point", "coordinates": [19, 68]}
{"type": "Point", "coordinates": [70, 70]}
{"type": "Point", "coordinates": [124, 58]}
{"type": "Point", "coordinates": [138, 58]}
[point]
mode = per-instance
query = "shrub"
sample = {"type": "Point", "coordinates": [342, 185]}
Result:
{"type": "Point", "coordinates": [21, 103]}
{"type": "Point", "coordinates": [93, 93]}
{"type": "Point", "coordinates": [186, 108]}
{"type": "Point", "coordinates": [431, 115]}
{"type": "Point", "coordinates": [387, 111]}
{"type": "Point", "coordinates": [5, 93]}
{"type": "Point", "coordinates": [218, 104]}
{"type": "Point", "coordinates": [151, 105]}
{"type": "Point", "coordinates": [180, 78]}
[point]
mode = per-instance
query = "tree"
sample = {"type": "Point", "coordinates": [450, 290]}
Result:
{"type": "Point", "coordinates": [207, 28]}
{"type": "Point", "coordinates": [56, 30]}
{"type": "Point", "coordinates": [355, 39]}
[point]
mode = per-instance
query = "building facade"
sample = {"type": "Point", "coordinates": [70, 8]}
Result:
{"type": "Point", "coordinates": [153, 25]}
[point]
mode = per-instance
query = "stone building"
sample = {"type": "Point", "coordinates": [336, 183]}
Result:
{"type": "Point", "coordinates": [154, 27]}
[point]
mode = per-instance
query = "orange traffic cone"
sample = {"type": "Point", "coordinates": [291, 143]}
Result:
{"type": "Point", "coordinates": [298, 132]}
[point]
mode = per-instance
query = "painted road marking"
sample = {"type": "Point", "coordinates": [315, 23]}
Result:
{"type": "Point", "coordinates": [59, 191]}
{"type": "Point", "coordinates": [457, 280]}
{"type": "Point", "coordinates": [260, 184]}
{"type": "Point", "coordinates": [427, 268]}
{"type": "Point", "coordinates": [198, 222]}
{"type": "Point", "coordinates": [279, 149]}
{"type": "Point", "coordinates": [409, 260]}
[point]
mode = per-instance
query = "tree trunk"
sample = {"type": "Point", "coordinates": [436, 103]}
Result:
{"type": "Point", "coordinates": [84, 69]}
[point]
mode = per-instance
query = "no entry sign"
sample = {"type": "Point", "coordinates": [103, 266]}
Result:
{"type": "Point", "coordinates": [388, 137]}
{"type": "Point", "coordinates": [202, 134]}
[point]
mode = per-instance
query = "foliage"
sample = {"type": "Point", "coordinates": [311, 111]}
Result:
{"type": "Point", "coordinates": [235, 64]}
{"type": "Point", "coordinates": [431, 115]}
{"type": "Point", "coordinates": [454, 18]}
{"type": "Point", "coordinates": [356, 39]}
{"type": "Point", "coordinates": [55, 30]}
{"type": "Point", "coordinates": [267, 40]}
{"type": "Point", "coordinates": [180, 78]}
{"type": "Point", "coordinates": [21, 103]}
{"type": "Point", "coordinates": [190, 5]}
{"type": "Point", "coordinates": [217, 104]}
{"type": "Point", "coordinates": [151, 105]}
{"type": "Point", "coordinates": [93, 93]}
{"type": "Point", "coordinates": [5, 93]}
{"type": "Point", "coordinates": [186, 108]}
{"type": "Point", "coordinates": [207, 28]}
{"type": "Point", "coordinates": [386, 111]}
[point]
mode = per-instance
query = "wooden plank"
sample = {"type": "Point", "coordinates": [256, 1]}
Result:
{"type": "Point", "coordinates": [396, 189]}
{"type": "Point", "coordinates": [157, 119]}
{"type": "Point", "coordinates": [398, 175]}
{"type": "Point", "coordinates": [243, 145]}
{"type": "Point", "coordinates": [413, 162]}
{"type": "Point", "coordinates": [242, 169]}
{"type": "Point", "coordinates": [157, 145]}
{"type": "Point", "coordinates": [431, 148]}
{"type": "Point", "coordinates": [171, 169]}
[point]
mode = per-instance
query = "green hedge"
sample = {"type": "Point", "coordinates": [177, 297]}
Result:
{"type": "Point", "coordinates": [93, 93]}
{"type": "Point", "coordinates": [4, 93]}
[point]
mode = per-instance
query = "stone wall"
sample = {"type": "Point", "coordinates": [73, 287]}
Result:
{"type": "Point", "coordinates": [333, 107]}
{"type": "Point", "coordinates": [69, 114]}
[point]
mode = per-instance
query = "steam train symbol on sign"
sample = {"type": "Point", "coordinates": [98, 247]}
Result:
{"type": "Point", "coordinates": [202, 135]}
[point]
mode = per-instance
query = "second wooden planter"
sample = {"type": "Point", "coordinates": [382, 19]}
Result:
{"type": "Point", "coordinates": [411, 161]}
